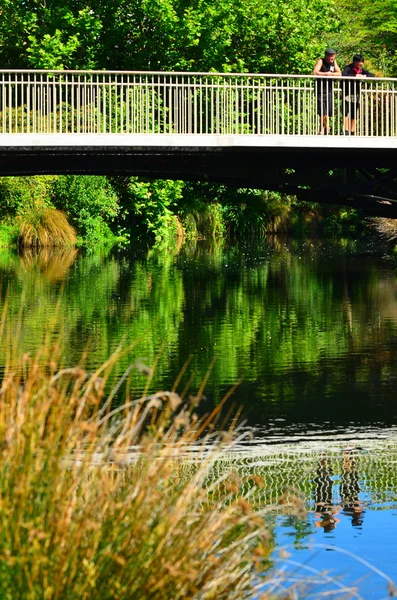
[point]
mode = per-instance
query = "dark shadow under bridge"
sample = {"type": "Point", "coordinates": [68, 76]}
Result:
{"type": "Point", "coordinates": [359, 172]}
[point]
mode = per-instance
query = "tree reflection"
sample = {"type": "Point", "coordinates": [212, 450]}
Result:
{"type": "Point", "coordinates": [294, 322]}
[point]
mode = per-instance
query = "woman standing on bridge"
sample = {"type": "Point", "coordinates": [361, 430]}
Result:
{"type": "Point", "coordinates": [326, 67]}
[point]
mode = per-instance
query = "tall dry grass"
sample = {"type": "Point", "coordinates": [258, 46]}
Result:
{"type": "Point", "coordinates": [93, 503]}
{"type": "Point", "coordinates": [43, 226]}
{"type": "Point", "coordinates": [387, 228]}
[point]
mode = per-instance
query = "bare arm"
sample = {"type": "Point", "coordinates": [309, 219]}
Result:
{"type": "Point", "coordinates": [317, 67]}
{"type": "Point", "coordinates": [337, 72]}
{"type": "Point", "coordinates": [319, 64]}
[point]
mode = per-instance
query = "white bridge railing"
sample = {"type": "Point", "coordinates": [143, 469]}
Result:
{"type": "Point", "coordinates": [188, 103]}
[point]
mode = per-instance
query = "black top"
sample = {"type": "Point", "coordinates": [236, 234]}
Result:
{"type": "Point", "coordinates": [326, 85]}
{"type": "Point", "coordinates": [351, 88]}
{"type": "Point", "coordinates": [348, 71]}
{"type": "Point", "coordinates": [327, 66]}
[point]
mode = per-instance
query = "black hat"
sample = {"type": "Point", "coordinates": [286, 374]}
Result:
{"type": "Point", "coordinates": [330, 51]}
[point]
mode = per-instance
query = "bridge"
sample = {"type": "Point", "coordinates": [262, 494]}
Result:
{"type": "Point", "coordinates": [243, 130]}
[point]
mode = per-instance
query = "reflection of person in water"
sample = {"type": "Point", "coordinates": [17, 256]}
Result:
{"type": "Point", "coordinates": [326, 511]}
{"type": "Point", "coordinates": [350, 489]}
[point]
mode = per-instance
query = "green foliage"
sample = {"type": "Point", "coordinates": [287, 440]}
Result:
{"type": "Point", "coordinates": [372, 31]}
{"type": "Point", "coordinates": [92, 206]}
{"type": "Point", "coordinates": [90, 203]}
{"type": "Point", "coordinates": [27, 213]}
{"type": "Point", "coordinates": [201, 214]}
{"type": "Point", "coordinates": [243, 212]}
{"type": "Point", "coordinates": [17, 19]}
{"type": "Point", "coordinates": [8, 234]}
{"type": "Point", "coordinates": [231, 36]}
{"type": "Point", "coordinates": [54, 35]}
{"type": "Point", "coordinates": [339, 221]}
{"type": "Point", "coordinates": [21, 193]}
{"type": "Point", "coordinates": [252, 36]}
{"type": "Point", "coordinates": [51, 52]}
{"type": "Point", "coordinates": [314, 218]}
{"type": "Point", "coordinates": [148, 207]}
{"type": "Point", "coordinates": [253, 212]}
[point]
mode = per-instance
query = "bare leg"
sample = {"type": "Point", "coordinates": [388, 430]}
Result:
{"type": "Point", "coordinates": [324, 124]}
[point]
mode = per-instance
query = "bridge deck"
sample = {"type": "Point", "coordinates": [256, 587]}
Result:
{"type": "Point", "coordinates": [355, 171]}
{"type": "Point", "coordinates": [249, 159]}
{"type": "Point", "coordinates": [186, 141]}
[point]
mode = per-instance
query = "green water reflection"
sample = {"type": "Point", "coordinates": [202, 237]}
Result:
{"type": "Point", "coordinates": [309, 328]}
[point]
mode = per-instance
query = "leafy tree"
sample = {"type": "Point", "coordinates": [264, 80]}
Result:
{"type": "Point", "coordinates": [20, 193]}
{"type": "Point", "coordinates": [48, 35]}
{"type": "Point", "coordinates": [148, 206]}
{"type": "Point", "coordinates": [91, 204]}
{"type": "Point", "coordinates": [17, 20]}
{"type": "Point", "coordinates": [372, 30]}
{"type": "Point", "coordinates": [66, 39]}
{"type": "Point", "coordinates": [263, 36]}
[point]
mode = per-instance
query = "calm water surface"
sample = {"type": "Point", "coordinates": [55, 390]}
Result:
{"type": "Point", "coordinates": [308, 329]}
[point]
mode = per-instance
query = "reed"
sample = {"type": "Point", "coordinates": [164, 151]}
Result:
{"type": "Point", "coordinates": [386, 228]}
{"type": "Point", "coordinates": [43, 226]}
{"type": "Point", "coordinates": [104, 501]}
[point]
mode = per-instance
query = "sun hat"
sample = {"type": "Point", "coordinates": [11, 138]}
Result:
{"type": "Point", "coordinates": [330, 51]}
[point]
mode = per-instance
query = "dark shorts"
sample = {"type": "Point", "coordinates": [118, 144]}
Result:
{"type": "Point", "coordinates": [351, 109]}
{"type": "Point", "coordinates": [325, 104]}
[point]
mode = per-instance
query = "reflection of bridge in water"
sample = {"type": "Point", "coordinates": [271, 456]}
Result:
{"type": "Point", "coordinates": [325, 473]}
{"type": "Point", "coordinates": [243, 130]}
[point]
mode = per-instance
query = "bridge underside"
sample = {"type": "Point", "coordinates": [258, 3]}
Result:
{"type": "Point", "coordinates": [360, 173]}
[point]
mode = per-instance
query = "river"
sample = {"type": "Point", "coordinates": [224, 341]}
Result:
{"type": "Point", "coordinates": [308, 331]}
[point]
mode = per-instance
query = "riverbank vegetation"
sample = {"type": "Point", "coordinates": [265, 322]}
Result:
{"type": "Point", "coordinates": [265, 37]}
{"type": "Point", "coordinates": [97, 210]}
{"type": "Point", "coordinates": [107, 500]}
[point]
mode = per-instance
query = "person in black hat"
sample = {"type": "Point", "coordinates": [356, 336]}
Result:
{"type": "Point", "coordinates": [325, 68]}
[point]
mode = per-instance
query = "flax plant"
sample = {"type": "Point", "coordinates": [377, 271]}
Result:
{"type": "Point", "coordinates": [99, 500]}
{"type": "Point", "coordinates": [43, 226]}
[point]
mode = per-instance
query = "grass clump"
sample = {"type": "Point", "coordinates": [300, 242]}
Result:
{"type": "Point", "coordinates": [386, 228]}
{"type": "Point", "coordinates": [96, 502]}
{"type": "Point", "coordinates": [44, 226]}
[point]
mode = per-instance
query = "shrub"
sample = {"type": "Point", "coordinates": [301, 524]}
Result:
{"type": "Point", "coordinates": [149, 207]}
{"type": "Point", "coordinates": [91, 204]}
{"type": "Point", "coordinates": [204, 220]}
{"type": "Point", "coordinates": [8, 234]}
{"type": "Point", "coordinates": [41, 226]}
{"type": "Point", "coordinates": [255, 213]}
{"type": "Point", "coordinates": [20, 193]}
